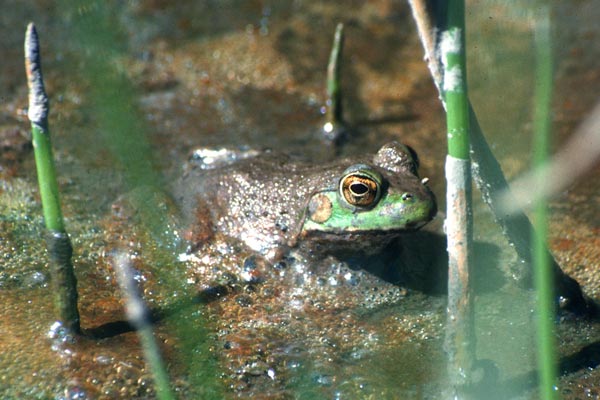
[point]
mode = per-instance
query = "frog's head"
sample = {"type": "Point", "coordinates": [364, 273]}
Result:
{"type": "Point", "coordinates": [385, 196]}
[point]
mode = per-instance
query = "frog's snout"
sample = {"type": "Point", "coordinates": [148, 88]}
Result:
{"type": "Point", "coordinates": [432, 207]}
{"type": "Point", "coordinates": [421, 205]}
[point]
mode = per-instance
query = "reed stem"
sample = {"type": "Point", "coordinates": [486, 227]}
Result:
{"type": "Point", "coordinates": [460, 332]}
{"type": "Point", "coordinates": [139, 316]}
{"type": "Point", "coordinates": [64, 283]}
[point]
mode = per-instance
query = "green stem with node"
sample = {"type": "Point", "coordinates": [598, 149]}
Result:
{"type": "Point", "coordinates": [58, 244]}
{"type": "Point", "coordinates": [460, 331]}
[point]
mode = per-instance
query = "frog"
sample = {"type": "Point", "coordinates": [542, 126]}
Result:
{"type": "Point", "coordinates": [273, 202]}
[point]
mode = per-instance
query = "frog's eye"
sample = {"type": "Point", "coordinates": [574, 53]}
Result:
{"type": "Point", "coordinates": [360, 186]}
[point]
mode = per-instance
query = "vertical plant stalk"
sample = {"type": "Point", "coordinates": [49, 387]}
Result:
{"type": "Point", "coordinates": [543, 278]}
{"type": "Point", "coordinates": [334, 126]}
{"type": "Point", "coordinates": [64, 283]}
{"type": "Point", "coordinates": [139, 316]}
{"type": "Point", "coordinates": [489, 178]}
{"type": "Point", "coordinates": [460, 337]}
{"type": "Point", "coordinates": [102, 40]}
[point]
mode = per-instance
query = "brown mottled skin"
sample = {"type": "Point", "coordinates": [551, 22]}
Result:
{"type": "Point", "coordinates": [262, 200]}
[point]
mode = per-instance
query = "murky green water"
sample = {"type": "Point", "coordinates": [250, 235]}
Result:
{"type": "Point", "coordinates": [252, 73]}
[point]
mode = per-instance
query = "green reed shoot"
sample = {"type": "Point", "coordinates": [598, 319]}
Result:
{"type": "Point", "coordinates": [59, 247]}
{"type": "Point", "coordinates": [460, 334]}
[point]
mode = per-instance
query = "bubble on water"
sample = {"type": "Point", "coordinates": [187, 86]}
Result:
{"type": "Point", "coordinates": [351, 278]}
{"type": "Point", "coordinates": [249, 263]}
{"type": "Point", "coordinates": [36, 279]}
{"type": "Point", "coordinates": [299, 280]}
{"type": "Point", "coordinates": [296, 303]}
{"type": "Point", "coordinates": [280, 265]}
{"type": "Point", "coordinates": [248, 273]}
{"type": "Point", "coordinates": [138, 276]}
{"type": "Point", "coordinates": [244, 300]}
{"type": "Point", "coordinates": [323, 379]}
{"type": "Point", "coordinates": [57, 331]}
{"type": "Point", "coordinates": [358, 354]}
{"type": "Point", "coordinates": [103, 360]}
{"type": "Point", "coordinates": [74, 393]}
{"type": "Point", "coordinates": [60, 337]}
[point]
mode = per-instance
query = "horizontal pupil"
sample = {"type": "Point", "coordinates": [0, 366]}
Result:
{"type": "Point", "coordinates": [359, 188]}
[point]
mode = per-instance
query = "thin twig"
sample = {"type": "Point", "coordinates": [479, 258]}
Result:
{"type": "Point", "coordinates": [334, 127]}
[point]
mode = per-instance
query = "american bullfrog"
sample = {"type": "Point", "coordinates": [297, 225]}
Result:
{"type": "Point", "coordinates": [272, 202]}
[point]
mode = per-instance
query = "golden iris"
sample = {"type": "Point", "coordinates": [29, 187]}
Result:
{"type": "Point", "coordinates": [360, 186]}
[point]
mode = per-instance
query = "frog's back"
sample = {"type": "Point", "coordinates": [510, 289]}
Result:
{"type": "Point", "coordinates": [257, 199]}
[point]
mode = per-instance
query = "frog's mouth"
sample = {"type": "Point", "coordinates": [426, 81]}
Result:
{"type": "Point", "coordinates": [351, 233]}
{"type": "Point", "coordinates": [347, 243]}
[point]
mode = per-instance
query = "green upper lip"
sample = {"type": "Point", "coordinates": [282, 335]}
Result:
{"type": "Point", "coordinates": [390, 215]}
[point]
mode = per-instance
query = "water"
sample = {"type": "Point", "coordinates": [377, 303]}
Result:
{"type": "Point", "coordinates": [252, 73]}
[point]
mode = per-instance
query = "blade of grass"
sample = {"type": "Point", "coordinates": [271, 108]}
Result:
{"type": "Point", "coordinates": [64, 283]}
{"type": "Point", "coordinates": [543, 279]}
{"type": "Point", "coordinates": [97, 31]}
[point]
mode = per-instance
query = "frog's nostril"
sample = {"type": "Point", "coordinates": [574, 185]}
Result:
{"type": "Point", "coordinates": [407, 197]}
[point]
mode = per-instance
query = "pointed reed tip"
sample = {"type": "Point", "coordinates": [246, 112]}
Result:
{"type": "Point", "coordinates": [31, 38]}
{"type": "Point", "coordinates": [38, 100]}
{"type": "Point", "coordinates": [339, 31]}
{"type": "Point", "coordinates": [32, 46]}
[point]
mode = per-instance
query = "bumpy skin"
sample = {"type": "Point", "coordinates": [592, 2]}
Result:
{"type": "Point", "coordinates": [264, 201]}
